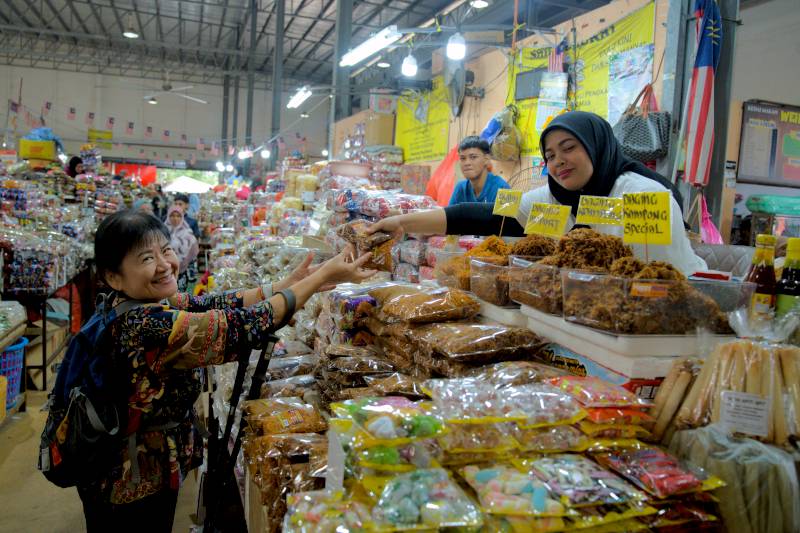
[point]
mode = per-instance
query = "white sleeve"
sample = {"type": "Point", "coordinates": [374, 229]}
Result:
{"type": "Point", "coordinates": [538, 195]}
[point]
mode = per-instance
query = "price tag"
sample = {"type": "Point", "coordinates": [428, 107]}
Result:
{"type": "Point", "coordinates": [746, 413]}
{"type": "Point", "coordinates": [507, 202]}
{"type": "Point", "coordinates": [599, 210]}
{"type": "Point", "coordinates": [647, 218]}
{"type": "Point", "coordinates": [549, 220]}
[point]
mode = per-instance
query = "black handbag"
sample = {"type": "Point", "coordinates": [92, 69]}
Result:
{"type": "Point", "coordinates": [642, 133]}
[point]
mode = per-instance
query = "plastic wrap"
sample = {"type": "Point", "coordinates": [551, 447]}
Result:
{"type": "Point", "coordinates": [489, 282]}
{"type": "Point", "coordinates": [391, 420]}
{"type": "Point", "coordinates": [324, 512]}
{"type": "Point", "coordinates": [613, 431]}
{"type": "Point", "coordinates": [293, 386]}
{"type": "Point", "coordinates": [396, 384]}
{"type": "Point", "coordinates": [416, 304]}
{"type": "Point", "coordinates": [535, 284]}
{"type": "Point", "coordinates": [761, 495]}
{"type": "Point", "coordinates": [511, 373]}
{"type": "Point", "coordinates": [478, 343]}
{"type": "Point", "coordinates": [504, 490]}
{"type": "Point", "coordinates": [424, 499]}
{"type": "Point", "coordinates": [390, 204]}
{"type": "Point", "coordinates": [594, 392]}
{"type": "Point", "coordinates": [350, 303]}
{"type": "Point", "coordinates": [618, 415]}
{"type": "Point", "coordinates": [555, 439]}
{"type": "Point", "coordinates": [355, 233]}
{"type": "Point", "coordinates": [477, 438]}
{"type": "Point", "coordinates": [282, 415]}
{"type": "Point", "coordinates": [582, 481]}
{"type": "Point", "coordinates": [411, 251]}
{"type": "Point", "coordinates": [468, 400]}
{"type": "Point", "coordinates": [451, 269]}
{"type": "Point", "coordinates": [657, 472]}
{"type": "Point", "coordinates": [403, 458]}
{"type": "Point", "coordinates": [396, 351]}
{"type": "Point", "coordinates": [359, 365]}
{"type": "Point", "coordinates": [405, 272]}
{"type": "Point", "coordinates": [286, 367]}
{"type": "Point", "coordinates": [333, 351]}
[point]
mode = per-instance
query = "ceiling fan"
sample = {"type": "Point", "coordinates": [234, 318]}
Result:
{"type": "Point", "coordinates": [167, 88]}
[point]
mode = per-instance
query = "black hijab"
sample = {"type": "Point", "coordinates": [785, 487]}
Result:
{"type": "Point", "coordinates": [597, 137]}
{"type": "Point", "coordinates": [73, 165]}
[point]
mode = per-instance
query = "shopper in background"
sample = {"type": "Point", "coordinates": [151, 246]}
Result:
{"type": "Point", "coordinates": [479, 184]}
{"type": "Point", "coordinates": [162, 342]}
{"type": "Point", "coordinates": [194, 205]}
{"type": "Point", "coordinates": [583, 158]}
{"type": "Point", "coordinates": [183, 242]}
{"type": "Point", "coordinates": [159, 203]}
{"type": "Point", "coordinates": [143, 204]}
{"type": "Point", "coordinates": [75, 166]}
{"type": "Point", "coordinates": [182, 200]}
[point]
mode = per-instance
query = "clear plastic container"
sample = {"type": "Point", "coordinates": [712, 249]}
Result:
{"type": "Point", "coordinates": [489, 282]}
{"type": "Point", "coordinates": [651, 307]}
{"type": "Point", "coordinates": [452, 269]}
{"type": "Point", "coordinates": [535, 285]}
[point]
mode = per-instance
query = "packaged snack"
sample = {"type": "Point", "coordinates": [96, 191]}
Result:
{"type": "Point", "coordinates": [285, 367]}
{"type": "Point", "coordinates": [511, 373]}
{"type": "Point", "coordinates": [657, 472]}
{"type": "Point", "coordinates": [468, 400]}
{"type": "Point", "coordinates": [477, 438]}
{"type": "Point", "coordinates": [489, 282]}
{"type": "Point", "coordinates": [581, 481]}
{"type": "Point", "coordinates": [594, 392]}
{"type": "Point", "coordinates": [359, 365]}
{"type": "Point", "coordinates": [355, 233]}
{"type": "Point", "coordinates": [282, 415]}
{"type": "Point", "coordinates": [391, 420]}
{"type": "Point", "coordinates": [426, 273]}
{"type": "Point", "coordinates": [324, 512]}
{"type": "Point", "coordinates": [402, 458]}
{"type": "Point", "coordinates": [293, 386]}
{"type": "Point", "coordinates": [618, 415]}
{"type": "Point", "coordinates": [424, 499]}
{"type": "Point", "coordinates": [504, 490]}
{"type": "Point", "coordinates": [412, 252]}
{"type": "Point", "coordinates": [405, 272]}
{"type": "Point", "coordinates": [350, 303]}
{"type": "Point", "coordinates": [396, 384]}
{"type": "Point", "coordinates": [381, 257]}
{"type": "Point", "coordinates": [613, 431]}
{"type": "Point", "coordinates": [555, 439]}
{"type": "Point", "coordinates": [536, 283]}
{"type": "Point", "coordinates": [451, 459]}
{"type": "Point", "coordinates": [333, 351]}
{"type": "Point", "coordinates": [418, 304]}
{"type": "Point", "coordinates": [396, 351]}
{"type": "Point", "coordinates": [475, 343]}
{"type": "Point", "coordinates": [690, 517]}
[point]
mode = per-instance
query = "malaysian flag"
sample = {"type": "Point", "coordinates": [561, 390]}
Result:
{"type": "Point", "coordinates": [110, 123]}
{"type": "Point", "coordinates": [13, 106]}
{"type": "Point", "coordinates": [71, 113]}
{"type": "Point", "coordinates": [214, 148]}
{"type": "Point", "coordinates": [700, 113]}
{"type": "Point", "coordinates": [183, 139]}
{"type": "Point", "coordinates": [166, 135]}
{"type": "Point", "coordinates": [89, 118]}
{"type": "Point", "coordinates": [148, 132]}
{"type": "Point", "coordinates": [555, 62]}
{"type": "Point", "coordinates": [46, 108]}
{"type": "Point", "coordinates": [129, 129]}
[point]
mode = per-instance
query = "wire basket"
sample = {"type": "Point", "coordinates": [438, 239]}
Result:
{"type": "Point", "coordinates": [11, 361]}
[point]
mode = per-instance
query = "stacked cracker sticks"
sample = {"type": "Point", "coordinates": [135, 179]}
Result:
{"type": "Point", "coordinates": [772, 372]}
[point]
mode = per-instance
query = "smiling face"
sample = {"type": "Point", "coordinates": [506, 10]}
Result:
{"type": "Point", "coordinates": [148, 272]}
{"type": "Point", "coordinates": [567, 160]}
{"type": "Point", "coordinates": [175, 218]}
{"type": "Point", "coordinates": [473, 162]}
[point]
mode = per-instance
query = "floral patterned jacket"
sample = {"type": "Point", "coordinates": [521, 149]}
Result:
{"type": "Point", "coordinates": [165, 346]}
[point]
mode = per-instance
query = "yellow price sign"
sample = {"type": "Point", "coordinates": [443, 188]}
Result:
{"type": "Point", "coordinates": [549, 220]}
{"type": "Point", "coordinates": [647, 218]}
{"type": "Point", "coordinates": [507, 202]}
{"type": "Point", "coordinates": [599, 210]}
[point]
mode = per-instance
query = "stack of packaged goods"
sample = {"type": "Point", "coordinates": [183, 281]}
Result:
{"type": "Point", "coordinates": [385, 165]}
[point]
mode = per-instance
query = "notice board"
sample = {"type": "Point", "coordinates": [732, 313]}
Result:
{"type": "Point", "coordinates": [422, 128]}
{"type": "Point", "coordinates": [769, 151]}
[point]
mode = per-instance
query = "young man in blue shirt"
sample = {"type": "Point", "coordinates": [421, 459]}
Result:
{"type": "Point", "coordinates": [480, 185]}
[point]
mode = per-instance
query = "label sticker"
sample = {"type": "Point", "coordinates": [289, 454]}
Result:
{"type": "Point", "coordinates": [549, 220]}
{"type": "Point", "coordinates": [507, 202]}
{"type": "Point", "coordinates": [599, 210]}
{"type": "Point", "coordinates": [647, 218]}
{"type": "Point", "coordinates": [745, 413]}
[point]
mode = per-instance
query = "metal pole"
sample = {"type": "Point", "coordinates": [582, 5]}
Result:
{"type": "Point", "coordinates": [226, 89]}
{"type": "Point", "coordinates": [729, 11]}
{"type": "Point", "coordinates": [340, 105]}
{"type": "Point", "coordinates": [277, 79]}
{"type": "Point", "coordinates": [251, 73]}
{"type": "Point", "coordinates": [235, 133]}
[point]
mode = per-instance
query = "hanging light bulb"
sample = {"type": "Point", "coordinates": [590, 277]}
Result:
{"type": "Point", "coordinates": [265, 154]}
{"type": "Point", "coordinates": [129, 32]}
{"type": "Point", "coordinates": [152, 100]}
{"type": "Point", "coordinates": [304, 115]}
{"type": "Point", "coordinates": [229, 168]}
{"type": "Point", "coordinates": [220, 166]}
{"type": "Point", "coordinates": [62, 158]}
{"type": "Point", "coordinates": [383, 64]}
{"type": "Point", "coordinates": [324, 152]}
{"type": "Point", "coordinates": [456, 47]}
{"type": "Point", "coordinates": [479, 4]}
{"type": "Point", "coordinates": [409, 67]}
{"type": "Point", "coordinates": [244, 154]}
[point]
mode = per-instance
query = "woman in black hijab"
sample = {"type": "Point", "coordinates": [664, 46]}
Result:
{"type": "Point", "coordinates": [75, 166]}
{"type": "Point", "coordinates": [583, 158]}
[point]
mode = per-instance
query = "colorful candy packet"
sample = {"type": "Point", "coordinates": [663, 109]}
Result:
{"type": "Point", "coordinates": [593, 392]}
{"type": "Point", "coordinates": [324, 512]}
{"type": "Point", "coordinates": [503, 489]}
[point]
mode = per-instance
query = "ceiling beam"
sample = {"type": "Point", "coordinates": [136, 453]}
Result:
{"type": "Point", "coordinates": [77, 16]}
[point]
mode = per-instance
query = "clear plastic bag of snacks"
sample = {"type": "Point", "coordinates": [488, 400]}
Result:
{"type": "Point", "coordinates": [355, 233]}
{"type": "Point", "coordinates": [405, 272]}
{"type": "Point", "coordinates": [477, 438]}
{"type": "Point", "coordinates": [489, 282]}
{"type": "Point", "coordinates": [553, 439]}
{"type": "Point", "coordinates": [581, 481]}
{"type": "Point", "coordinates": [391, 420]}
{"type": "Point", "coordinates": [613, 431]}
{"type": "Point", "coordinates": [385, 205]}
{"type": "Point", "coordinates": [477, 343]}
{"type": "Point", "coordinates": [424, 499]}
{"type": "Point", "coordinates": [658, 472]}
{"type": "Point", "coordinates": [502, 489]}
{"type": "Point", "coordinates": [293, 386]}
{"type": "Point", "coordinates": [282, 415]}
{"type": "Point", "coordinates": [418, 304]}
{"type": "Point", "coordinates": [412, 251]}
{"type": "Point", "coordinates": [618, 415]}
{"type": "Point", "coordinates": [332, 351]}
{"type": "Point", "coordinates": [468, 400]}
{"type": "Point", "coordinates": [286, 367]}
{"type": "Point", "coordinates": [396, 384]}
{"type": "Point", "coordinates": [402, 458]}
{"type": "Point", "coordinates": [509, 373]}
{"type": "Point", "coordinates": [594, 392]}
{"type": "Point", "coordinates": [324, 512]}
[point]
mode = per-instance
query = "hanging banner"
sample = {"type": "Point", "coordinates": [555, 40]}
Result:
{"type": "Point", "coordinates": [422, 127]}
{"type": "Point", "coordinates": [591, 71]}
{"type": "Point", "coordinates": [101, 138]}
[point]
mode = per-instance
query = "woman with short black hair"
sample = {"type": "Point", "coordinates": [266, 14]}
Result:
{"type": "Point", "coordinates": [164, 340]}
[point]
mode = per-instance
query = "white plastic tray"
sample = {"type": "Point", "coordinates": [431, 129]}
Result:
{"type": "Point", "coordinates": [626, 345]}
{"type": "Point", "coordinates": [503, 315]}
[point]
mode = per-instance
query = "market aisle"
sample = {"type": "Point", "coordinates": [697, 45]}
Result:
{"type": "Point", "coordinates": [30, 502]}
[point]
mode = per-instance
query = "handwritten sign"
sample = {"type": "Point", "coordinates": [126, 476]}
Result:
{"type": "Point", "coordinates": [599, 210]}
{"type": "Point", "coordinates": [547, 219]}
{"type": "Point", "coordinates": [647, 218]}
{"type": "Point", "coordinates": [507, 202]}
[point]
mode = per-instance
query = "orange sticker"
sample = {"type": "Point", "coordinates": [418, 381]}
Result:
{"type": "Point", "coordinates": [649, 290]}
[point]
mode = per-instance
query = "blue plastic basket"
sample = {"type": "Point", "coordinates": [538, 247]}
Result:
{"type": "Point", "coordinates": [11, 361]}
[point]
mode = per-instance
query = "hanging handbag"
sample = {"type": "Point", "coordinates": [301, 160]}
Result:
{"type": "Point", "coordinates": [643, 131]}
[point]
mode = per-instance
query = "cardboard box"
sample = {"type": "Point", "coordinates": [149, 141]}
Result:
{"type": "Point", "coordinates": [33, 353]}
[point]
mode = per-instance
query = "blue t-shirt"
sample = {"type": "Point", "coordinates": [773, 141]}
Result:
{"type": "Point", "coordinates": [463, 191]}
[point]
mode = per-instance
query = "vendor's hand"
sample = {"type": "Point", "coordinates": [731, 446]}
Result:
{"type": "Point", "coordinates": [343, 268]}
{"type": "Point", "coordinates": [390, 225]}
{"type": "Point", "coordinates": [302, 271]}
